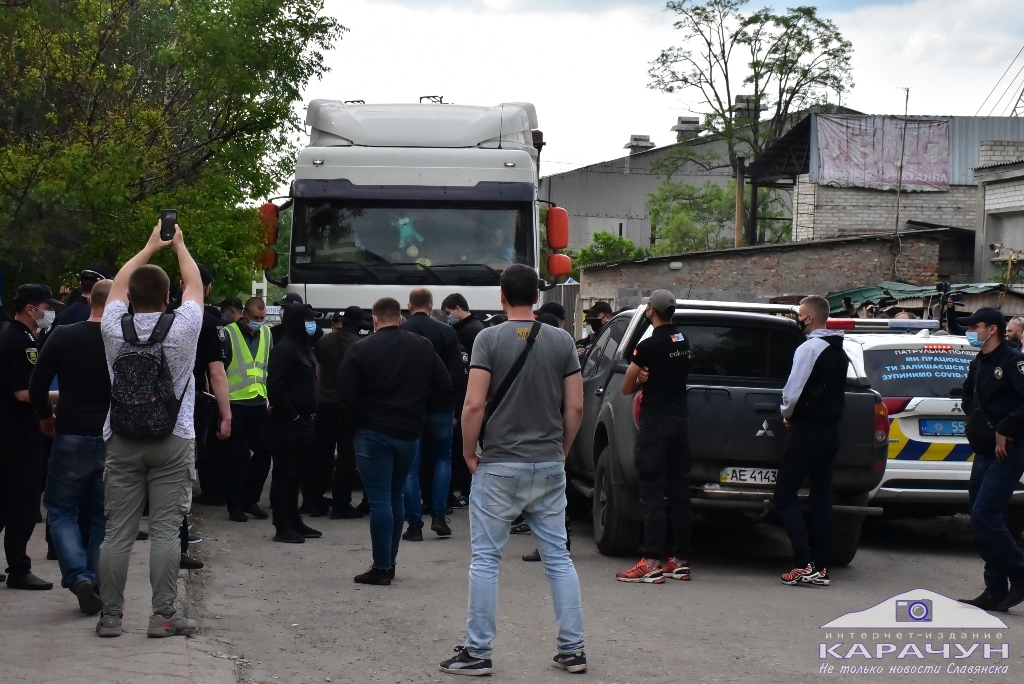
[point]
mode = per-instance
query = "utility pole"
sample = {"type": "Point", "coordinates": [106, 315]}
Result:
{"type": "Point", "coordinates": [903, 153]}
{"type": "Point", "coordinates": [740, 167]}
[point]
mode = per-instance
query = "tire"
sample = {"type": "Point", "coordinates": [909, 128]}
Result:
{"type": "Point", "coordinates": [614, 535]}
{"type": "Point", "coordinates": [845, 540]}
{"type": "Point", "coordinates": [1015, 520]}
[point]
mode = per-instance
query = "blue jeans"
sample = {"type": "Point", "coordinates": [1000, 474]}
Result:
{"type": "Point", "coordinates": [501, 491]}
{"type": "Point", "coordinates": [74, 484]}
{"type": "Point", "coordinates": [384, 464]}
{"type": "Point", "coordinates": [439, 432]}
{"type": "Point", "coordinates": [992, 484]}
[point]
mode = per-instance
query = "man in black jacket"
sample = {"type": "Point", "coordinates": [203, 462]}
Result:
{"type": "Point", "coordinates": [467, 327]}
{"type": "Point", "coordinates": [994, 390]}
{"type": "Point", "coordinates": [440, 421]}
{"type": "Point", "coordinates": [291, 392]}
{"type": "Point", "coordinates": [812, 405]}
{"type": "Point", "coordinates": [387, 381]}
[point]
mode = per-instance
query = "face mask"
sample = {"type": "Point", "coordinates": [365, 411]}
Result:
{"type": "Point", "coordinates": [47, 320]}
{"type": "Point", "coordinates": [255, 325]}
{"type": "Point", "coordinates": [452, 320]}
{"type": "Point", "coordinates": [595, 324]}
{"type": "Point", "coordinates": [975, 341]}
{"type": "Point", "coordinates": [310, 327]}
{"type": "Point", "coordinates": [801, 324]}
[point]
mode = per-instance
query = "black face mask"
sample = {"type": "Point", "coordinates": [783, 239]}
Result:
{"type": "Point", "coordinates": [801, 324]}
{"type": "Point", "coordinates": [595, 324]}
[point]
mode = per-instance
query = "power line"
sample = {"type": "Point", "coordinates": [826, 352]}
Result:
{"type": "Point", "coordinates": [1008, 87]}
{"type": "Point", "coordinates": [1008, 67]}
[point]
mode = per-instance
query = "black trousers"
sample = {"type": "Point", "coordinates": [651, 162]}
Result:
{"type": "Point", "coordinates": [810, 452]}
{"type": "Point", "coordinates": [211, 457]}
{"type": "Point", "coordinates": [663, 464]}
{"type": "Point", "coordinates": [293, 442]}
{"type": "Point", "coordinates": [333, 435]}
{"type": "Point", "coordinates": [462, 479]}
{"type": "Point", "coordinates": [249, 455]}
{"type": "Point", "coordinates": [21, 475]}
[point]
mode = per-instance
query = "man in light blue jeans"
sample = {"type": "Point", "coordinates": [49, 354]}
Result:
{"type": "Point", "coordinates": [533, 410]}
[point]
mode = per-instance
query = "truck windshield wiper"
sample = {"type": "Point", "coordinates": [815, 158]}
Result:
{"type": "Point", "coordinates": [428, 269]}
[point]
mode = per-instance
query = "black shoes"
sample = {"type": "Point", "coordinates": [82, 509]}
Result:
{"type": "Point", "coordinates": [571, 662]}
{"type": "Point", "coordinates": [346, 513]}
{"type": "Point", "coordinates": [28, 581]}
{"type": "Point", "coordinates": [464, 664]}
{"type": "Point", "coordinates": [289, 536]}
{"type": "Point", "coordinates": [439, 524]}
{"type": "Point", "coordinates": [307, 531]}
{"type": "Point", "coordinates": [364, 507]}
{"type": "Point", "coordinates": [375, 576]}
{"type": "Point", "coordinates": [413, 534]}
{"type": "Point", "coordinates": [984, 601]}
{"type": "Point", "coordinates": [319, 510]}
{"type": "Point", "coordinates": [187, 562]}
{"type": "Point", "coordinates": [237, 515]}
{"type": "Point", "coordinates": [1012, 599]}
{"type": "Point", "coordinates": [88, 601]}
{"type": "Point", "coordinates": [255, 511]}
{"type": "Point", "coordinates": [532, 557]}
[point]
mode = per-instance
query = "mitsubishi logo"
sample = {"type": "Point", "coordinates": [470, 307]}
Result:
{"type": "Point", "coordinates": [765, 431]}
{"type": "Point", "coordinates": [956, 408]}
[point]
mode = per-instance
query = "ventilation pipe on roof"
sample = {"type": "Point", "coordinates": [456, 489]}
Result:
{"type": "Point", "coordinates": [638, 144]}
{"type": "Point", "coordinates": [686, 127]}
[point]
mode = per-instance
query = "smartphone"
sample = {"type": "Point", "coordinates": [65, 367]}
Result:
{"type": "Point", "coordinates": [168, 219]}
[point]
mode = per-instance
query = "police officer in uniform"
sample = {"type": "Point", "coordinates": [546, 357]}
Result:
{"type": "Point", "coordinates": [21, 447]}
{"type": "Point", "coordinates": [994, 400]}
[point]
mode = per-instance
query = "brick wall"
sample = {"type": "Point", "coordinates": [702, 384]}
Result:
{"type": "Point", "coordinates": [1000, 152]}
{"type": "Point", "coordinates": [826, 212]}
{"type": "Point", "coordinates": [757, 274]}
{"type": "Point", "coordinates": [1005, 196]}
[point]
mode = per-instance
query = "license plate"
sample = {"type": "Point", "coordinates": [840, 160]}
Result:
{"type": "Point", "coordinates": [758, 476]}
{"type": "Point", "coordinates": [941, 428]}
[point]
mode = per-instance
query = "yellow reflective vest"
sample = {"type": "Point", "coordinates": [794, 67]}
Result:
{"type": "Point", "coordinates": [247, 375]}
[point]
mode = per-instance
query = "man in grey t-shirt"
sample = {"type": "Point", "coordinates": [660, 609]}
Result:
{"type": "Point", "coordinates": [521, 468]}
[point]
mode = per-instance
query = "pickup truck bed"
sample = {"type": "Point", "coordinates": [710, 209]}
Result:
{"type": "Point", "coordinates": [740, 365]}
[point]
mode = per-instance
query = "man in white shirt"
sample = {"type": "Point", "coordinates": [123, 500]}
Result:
{"type": "Point", "coordinates": [158, 468]}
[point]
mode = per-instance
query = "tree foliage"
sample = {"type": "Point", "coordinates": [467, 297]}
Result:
{"type": "Point", "coordinates": [785, 61]}
{"type": "Point", "coordinates": [606, 247]}
{"type": "Point", "coordinates": [112, 109]}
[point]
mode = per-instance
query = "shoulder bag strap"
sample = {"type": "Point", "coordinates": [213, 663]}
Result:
{"type": "Point", "coordinates": [510, 377]}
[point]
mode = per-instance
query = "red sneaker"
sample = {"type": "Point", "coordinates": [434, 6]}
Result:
{"type": "Point", "coordinates": [641, 572]}
{"type": "Point", "coordinates": [800, 575]}
{"type": "Point", "coordinates": [676, 571]}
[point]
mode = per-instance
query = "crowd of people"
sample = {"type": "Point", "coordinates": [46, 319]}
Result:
{"type": "Point", "coordinates": [113, 409]}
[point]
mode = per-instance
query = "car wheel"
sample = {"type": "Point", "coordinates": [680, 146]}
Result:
{"type": "Point", "coordinates": [1015, 520]}
{"type": "Point", "coordinates": [845, 539]}
{"type": "Point", "coordinates": [614, 535]}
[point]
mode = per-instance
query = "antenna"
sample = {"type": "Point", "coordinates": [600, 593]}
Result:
{"type": "Point", "coordinates": [501, 123]}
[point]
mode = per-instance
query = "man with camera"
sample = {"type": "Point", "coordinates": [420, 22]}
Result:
{"type": "Point", "coordinates": [994, 404]}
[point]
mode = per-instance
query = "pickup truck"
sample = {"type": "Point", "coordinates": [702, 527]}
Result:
{"type": "Point", "coordinates": [741, 360]}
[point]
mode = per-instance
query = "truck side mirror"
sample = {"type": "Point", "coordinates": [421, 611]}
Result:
{"type": "Point", "coordinates": [269, 219]}
{"type": "Point", "coordinates": [268, 259]}
{"type": "Point", "coordinates": [559, 265]}
{"type": "Point", "coordinates": [558, 228]}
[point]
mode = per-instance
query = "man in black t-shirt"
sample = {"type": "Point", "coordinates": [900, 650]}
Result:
{"type": "Point", "coordinates": [21, 448]}
{"type": "Point", "coordinates": [661, 364]}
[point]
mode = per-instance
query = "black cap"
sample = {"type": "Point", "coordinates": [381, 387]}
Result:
{"type": "Point", "coordinates": [233, 302]}
{"type": "Point", "coordinates": [32, 293]}
{"type": "Point", "coordinates": [600, 308]}
{"type": "Point", "coordinates": [986, 315]}
{"type": "Point", "coordinates": [205, 274]}
{"type": "Point", "coordinates": [290, 298]}
{"type": "Point", "coordinates": [553, 308]}
{"type": "Point", "coordinates": [336, 316]}
{"type": "Point", "coordinates": [354, 317]}
{"type": "Point", "coordinates": [93, 273]}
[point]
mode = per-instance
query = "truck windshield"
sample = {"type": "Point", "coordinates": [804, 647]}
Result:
{"type": "Point", "coordinates": [917, 372]}
{"type": "Point", "coordinates": [443, 239]}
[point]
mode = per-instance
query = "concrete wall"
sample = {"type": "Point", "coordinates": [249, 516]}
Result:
{"type": "Point", "coordinates": [757, 274]}
{"type": "Point", "coordinates": [1003, 222]}
{"type": "Point", "coordinates": [824, 211]}
{"type": "Point", "coordinates": [1000, 152]}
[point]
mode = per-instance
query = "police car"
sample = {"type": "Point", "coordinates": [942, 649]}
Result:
{"type": "Point", "coordinates": [919, 372]}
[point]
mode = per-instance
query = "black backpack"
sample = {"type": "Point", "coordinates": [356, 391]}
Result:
{"type": "Point", "coordinates": [142, 400]}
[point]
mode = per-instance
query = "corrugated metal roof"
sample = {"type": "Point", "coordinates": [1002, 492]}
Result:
{"type": "Point", "coordinates": [966, 134]}
{"type": "Point", "coordinates": [999, 164]}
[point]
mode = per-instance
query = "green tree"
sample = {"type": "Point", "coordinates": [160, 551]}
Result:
{"type": "Point", "coordinates": [785, 62]}
{"type": "Point", "coordinates": [112, 109]}
{"type": "Point", "coordinates": [606, 247]}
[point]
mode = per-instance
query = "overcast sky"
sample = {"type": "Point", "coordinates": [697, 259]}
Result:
{"type": "Point", "coordinates": [584, 63]}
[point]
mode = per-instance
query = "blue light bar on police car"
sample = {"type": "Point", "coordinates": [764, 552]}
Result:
{"type": "Point", "coordinates": [882, 324]}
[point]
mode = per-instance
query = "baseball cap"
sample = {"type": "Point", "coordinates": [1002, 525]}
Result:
{"type": "Point", "coordinates": [353, 317]}
{"type": "Point", "coordinates": [600, 308]}
{"type": "Point", "coordinates": [553, 308]}
{"type": "Point", "coordinates": [233, 302]}
{"type": "Point", "coordinates": [290, 298]}
{"type": "Point", "coordinates": [93, 273]}
{"type": "Point", "coordinates": [986, 315]}
{"type": "Point", "coordinates": [205, 274]}
{"type": "Point", "coordinates": [662, 300]}
{"type": "Point", "coordinates": [32, 293]}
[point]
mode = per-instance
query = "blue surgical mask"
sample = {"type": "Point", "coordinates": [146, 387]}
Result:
{"type": "Point", "coordinates": [974, 340]}
{"type": "Point", "coordinates": [310, 327]}
{"type": "Point", "coordinates": [452, 320]}
{"type": "Point", "coordinates": [255, 325]}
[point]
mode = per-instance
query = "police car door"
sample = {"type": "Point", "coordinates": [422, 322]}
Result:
{"type": "Point", "coordinates": [734, 395]}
